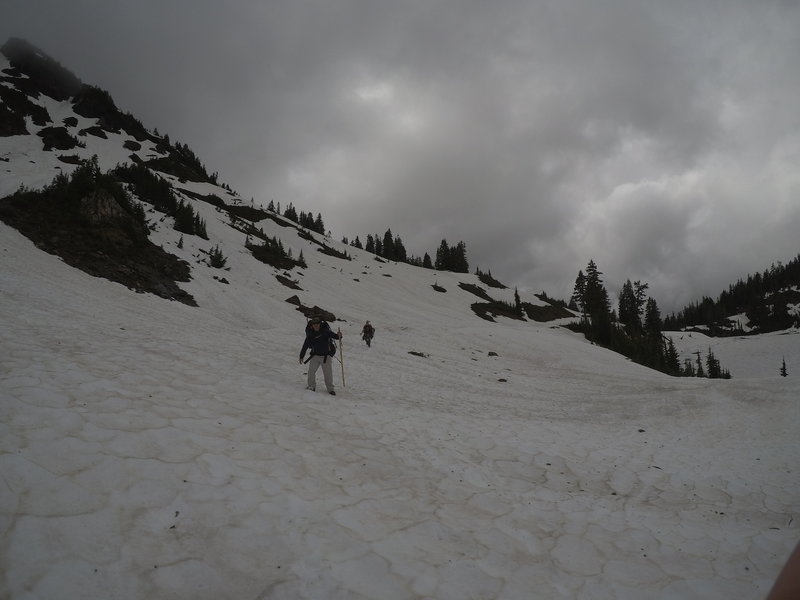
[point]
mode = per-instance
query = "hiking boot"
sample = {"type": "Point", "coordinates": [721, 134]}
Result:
{"type": "Point", "coordinates": [331, 392]}
{"type": "Point", "coordinates": [313, 389]}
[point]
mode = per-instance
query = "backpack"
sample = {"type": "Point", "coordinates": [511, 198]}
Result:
{"type": "Point", "coordinates": [323, 327]}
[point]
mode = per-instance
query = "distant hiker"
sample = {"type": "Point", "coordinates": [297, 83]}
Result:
{"type": "Point", "coordinates": [319, 339]}
{"type": "Point", "coordinates": [367, 332]}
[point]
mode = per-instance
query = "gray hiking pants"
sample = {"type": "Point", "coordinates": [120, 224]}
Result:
{"type": "Point", "coordinates": [327, 371]}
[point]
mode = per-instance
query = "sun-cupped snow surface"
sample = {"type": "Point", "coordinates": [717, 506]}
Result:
{"type": "Point", "coordinates": [153, 450]}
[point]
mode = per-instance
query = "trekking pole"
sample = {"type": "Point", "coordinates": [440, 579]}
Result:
{"type": "Point", "coordinates": [341, 353]}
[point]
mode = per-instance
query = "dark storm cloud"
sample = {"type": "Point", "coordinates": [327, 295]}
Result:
{"type": "Point", "coordinates": [659, 139]}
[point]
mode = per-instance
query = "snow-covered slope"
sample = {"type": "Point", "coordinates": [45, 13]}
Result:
{"type": "Point", "coordinates": [149, 449]}
{"type": "Point", "coordinates": [757, 356]}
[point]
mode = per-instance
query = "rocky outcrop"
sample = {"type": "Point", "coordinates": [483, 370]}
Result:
{"type": "Point", "coordinates": [100, 236]}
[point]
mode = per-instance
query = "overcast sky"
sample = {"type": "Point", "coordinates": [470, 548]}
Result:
{"type": "Point", "coordinates": [661, 139]}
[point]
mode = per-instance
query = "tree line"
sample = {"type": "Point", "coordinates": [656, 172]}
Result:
{"type": "Point", "coordinates": [303, 219]}
{"type": "Point", "coordinates": [387, 246]}
{"type": "Point", "coordinates": [634, 328]}
{"type": "Point", "coordinates": [390, 247]}
{"type": "Point", "coordinates": [155, 190]}
{"type": "Point", "coordinates": [762, 297]}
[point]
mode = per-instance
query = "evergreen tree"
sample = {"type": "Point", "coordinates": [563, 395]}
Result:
{"type": "Point", "coordinates": [200, 227]}
{"type": "Point", "coordinates": [671, 358]}
{"type": "Point", "coordinates": [713, 366]}
{"type": "Point", "coordinates": [370, 245]}
{"type": "Point", "coordinates": [783, 371]}
{"type": "Point", "coordinates": [184, 218]}
{"type": "Point", "coordinates": [318, 224]}
{"type": "Point", "coordinates": [458, 259]}
{"type": "Point", "coordinates": [688, 368]}
{"type": "Point", "coordinates": [426, 261]}
{"type": "Point", "coordinates": [216, 259]}
{"type": "Point", "coordinates": [597, 305]}
{"type": "Point", "coordinates": [291, 213]}
{"type": "Point", "coordinates": [652, 318]}
{"type": "Point", "coordinates": [579, 292]}
{"type": "Point", "coordinates": [388, 245]}
{"type": "Point", "coordinates": [628, 309]}
{"type": "Point", "coordinates": [595, 295]}
{"type": "Point", "coordinates": [399, 250]}
{"type": "Point", "coordinates": [442, 257]}
{"type": "Point", "coordinates": [699, 372]}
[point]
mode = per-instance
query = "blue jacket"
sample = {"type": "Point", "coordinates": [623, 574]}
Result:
{"type": "Point", "coordinates": [318, 342]}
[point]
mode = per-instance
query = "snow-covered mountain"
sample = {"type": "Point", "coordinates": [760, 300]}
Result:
{"type": "Point", "coordinates": [150, 448]}
{"type": "Point", "coordinates": [59, 136]}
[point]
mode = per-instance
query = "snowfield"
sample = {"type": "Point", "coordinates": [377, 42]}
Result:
{"type": "Point", "coordinates": [150, 449]}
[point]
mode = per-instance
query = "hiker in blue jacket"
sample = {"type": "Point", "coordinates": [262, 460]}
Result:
{"type": "Point", "coordinates": [319, 340]}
